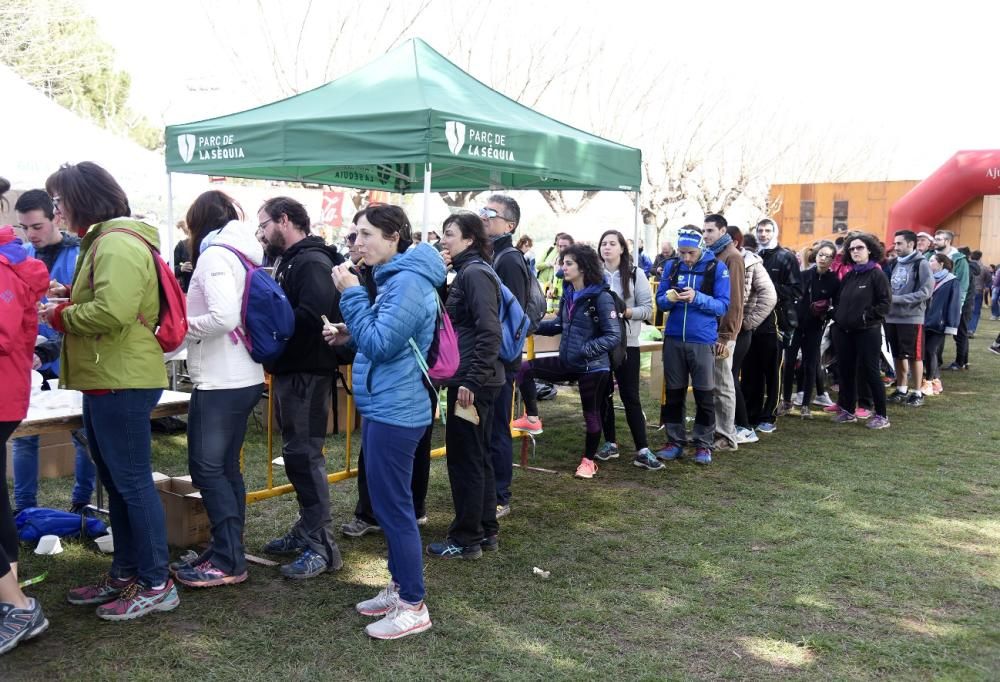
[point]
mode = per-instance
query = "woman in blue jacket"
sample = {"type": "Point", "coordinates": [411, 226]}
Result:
{"type": "Point", "coordinates": [590, 330]}
{"type": "Point", "coordinates": [941, 320]}
{"type": "Point", "coordinates": [390, 394]}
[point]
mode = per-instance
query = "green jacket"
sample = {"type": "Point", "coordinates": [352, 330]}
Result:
{"type": "Point", "coordinates": [106, 345]}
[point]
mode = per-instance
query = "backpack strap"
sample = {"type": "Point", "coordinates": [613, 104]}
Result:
{"type": "Point", "coordinates": [524, 264]}
{"type": "Point", "coordinates": [153, 252]}
{"type": "Point", "coordinates": [238, 335]}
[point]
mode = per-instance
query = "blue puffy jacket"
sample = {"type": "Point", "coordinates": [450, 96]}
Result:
{"type": "Point", "coordinates": [698, 321]}
{"type": "Point", "coordinates": [388, 384]}
{"type": "Point", "coordinates": [584, 346]}
{"type": "Point", "coordinates": [61, 270]}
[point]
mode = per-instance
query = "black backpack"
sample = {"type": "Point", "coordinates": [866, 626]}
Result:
{"type": "Point", "coordinates": [617, 354]}
{"type": "Point", "coordinates": [707, 286]}
{"type": "Point", "coordinates": [535, 306]}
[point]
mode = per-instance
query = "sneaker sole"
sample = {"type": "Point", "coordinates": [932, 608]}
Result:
{"type": "Point", "coordinates": [25, 636]}
{"type": "Point", "coordinates": [703, 463]}
{"type": "Point", "coordinates": [166, 605]}
{"type": "Point", "coordinates": [467, 557]}
{"type": "Point", "coordinates": [606, 458]}
{"type": "Point", "coordinates": [649, 467]}
{"type": "Point", "coordinates": [530, 432]}
{"type": "Point", "coordinates": [412, 631]}
{"type": "Point", "coordinates": [215, 582]}
{"type": "Point", "coordinates": [585, 477]}
{"type": "Point", "coordinates": [373, 613]}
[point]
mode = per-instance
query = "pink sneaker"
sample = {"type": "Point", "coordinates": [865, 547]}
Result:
{"type": "Point", "coordinates": [587, 468]}
{"type": "Point", "coordinates": [835, 408]}
{"type": "Point", "coordinates": [104, 590]}
{"type": "Point", "coordinates": [862, 413]}
{"type": "Point", "coordinates": [527, 426]}
{"type": "Point", "coordinates": [936, 385]}
{"type": "Point", "coordinates": [137, 600]}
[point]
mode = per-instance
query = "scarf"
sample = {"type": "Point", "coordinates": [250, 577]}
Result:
{"type": "Point", "coordinates": [721, 243]}
{"type": "Point", "coordinates": [870, 265]}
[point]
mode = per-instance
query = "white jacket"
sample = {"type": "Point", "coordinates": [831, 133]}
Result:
{"type": "Point", "coordinates": [214, 303]}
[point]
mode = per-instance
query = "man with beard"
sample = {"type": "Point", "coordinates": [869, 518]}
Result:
{"type": "Point", "coordinates": [302, 381]}
{"type": "Point", "coordinates": [912, 285]}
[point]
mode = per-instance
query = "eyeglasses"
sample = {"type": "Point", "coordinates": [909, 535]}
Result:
{"type": "Point", "coordinates": [490, 214]}
{"type": "Point", "coordinates": [265, 223]}
{"type": "Point", "coordinates": [859, 247]}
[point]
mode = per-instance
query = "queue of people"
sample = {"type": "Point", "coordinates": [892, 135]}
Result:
{"type": "Point", "coordinates": [746, 323]}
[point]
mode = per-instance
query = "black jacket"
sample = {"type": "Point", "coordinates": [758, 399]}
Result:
{"type": "Point", "coordinates": [513, 271]}
{"type": "Point", "coordinates": [783, 269]}
{"type": "Point", "coordinates": [473, 304]}
{"type": "Point", "coordinates": [816, 287]}
{"type": "Point", "coordinates": [862, 301]}
{"type": "Point", "coordinates": [182, 254]}
{"type": "Point", "coordinates": [304, 275]}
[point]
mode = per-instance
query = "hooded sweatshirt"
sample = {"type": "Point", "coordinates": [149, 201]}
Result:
{"type": "Point", "coordinates": [639, 299]}
{"type": "Point", "coordinates": [23, 282]}
{"type": "Point", "coordinates": [215, 302]}
{"type": "Point", "coordinates": [912, 284]}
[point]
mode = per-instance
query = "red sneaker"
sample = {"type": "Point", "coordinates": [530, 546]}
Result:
{"type": "Point", "coordinates": [104, 590]}
{"type": "Point", "coordinates": [137, 600]}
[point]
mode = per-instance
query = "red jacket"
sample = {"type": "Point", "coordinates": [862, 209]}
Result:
{"type": "Point", "coordinates": [23, 282]}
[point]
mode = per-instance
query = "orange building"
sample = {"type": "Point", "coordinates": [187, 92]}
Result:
{"type": "Point", "coordinates": [808, 212]}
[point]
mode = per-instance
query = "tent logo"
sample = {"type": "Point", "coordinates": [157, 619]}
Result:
{"type": "Point", "coordinates": [185, 145]}
{"type": "Point", "coordinates": [454, 131]}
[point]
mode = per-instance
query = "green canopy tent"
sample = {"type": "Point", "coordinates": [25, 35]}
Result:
{"type": "Point", "coordinates": [410, 121]}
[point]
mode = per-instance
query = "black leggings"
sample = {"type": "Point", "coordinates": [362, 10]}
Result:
{"type": "Point", "coordinates": [860, 354]}
{"type": "Point", "coordinates": [593, 392]}
{"type": "Point", "coordinates": [933, 343]}
{"type": "Point", "coordinates": [8, 531]}
{"type": "Point", "coordinates": [739, 354]}
{"type": "Point", "coordinates": [807, 339]}
{"type": "Point", "coordinates": [627, 376]}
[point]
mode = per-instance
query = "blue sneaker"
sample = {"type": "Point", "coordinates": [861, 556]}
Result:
{"type": "Point", "coordinates": [703, 456]}
{"type": "Point", "coordinates": [290, 543]}
{"type": "Point", "coordinates": [766, 427]}
{"type": "Point", "coordinates": [606, 452]}
{"type": "Point", "coordinates": [647, 460]}
{"type": "Point", "coordinates": [449, 549]}
{"type": "Point", "coordinates": [670, 452]}
{"type": "Point", "coordinates": [309, 564]}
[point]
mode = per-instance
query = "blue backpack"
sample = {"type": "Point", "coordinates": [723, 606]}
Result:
{"type": "Point", "coordinates": [267, 316]}
{"type": "Point", "coordinates": [514, 322]}
{"type": "Point", "coordinates": [34, 522]}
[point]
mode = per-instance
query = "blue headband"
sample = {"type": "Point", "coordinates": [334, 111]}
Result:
{"type": "Point", "coordinates": [690, 239]}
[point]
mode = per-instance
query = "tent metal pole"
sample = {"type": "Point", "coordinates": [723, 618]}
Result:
{"type": "Point", "coordinates": [638, 228]}
{"type": "Point", "coordinates": [427, 197]}
{"type": "Point", "coordinates": [170, 219]}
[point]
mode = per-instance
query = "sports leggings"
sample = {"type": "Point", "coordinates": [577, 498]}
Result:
{"type": "Point", "coordinates": [593, 392]}
{"type": "Point", "coordinates": [8, 531]}
{"type": "Point", "coordinates": [627, 376]}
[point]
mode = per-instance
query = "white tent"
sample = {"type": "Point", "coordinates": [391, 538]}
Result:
{"type": "Point", "coordinates": [39, 136]}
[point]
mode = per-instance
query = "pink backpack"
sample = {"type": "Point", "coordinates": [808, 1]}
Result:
{"type": "Point", "coordinates": [442, 357]}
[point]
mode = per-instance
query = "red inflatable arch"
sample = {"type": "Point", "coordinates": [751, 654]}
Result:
{"type": "Point", "coordinates": [963, 177]}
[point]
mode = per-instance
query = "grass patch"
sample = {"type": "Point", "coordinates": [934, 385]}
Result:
{"type": "Point", "coordinates": [824, 551]}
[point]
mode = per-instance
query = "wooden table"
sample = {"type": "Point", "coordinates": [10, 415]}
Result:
{"type": "Point", "coordinates": [41, 421]}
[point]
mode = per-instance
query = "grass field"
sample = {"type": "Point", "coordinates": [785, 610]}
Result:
{"type": "Point", "coordinates": [823, 552]}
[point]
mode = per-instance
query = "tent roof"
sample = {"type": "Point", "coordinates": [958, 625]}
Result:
{"type": "Point", "coordinates": [378, 126]}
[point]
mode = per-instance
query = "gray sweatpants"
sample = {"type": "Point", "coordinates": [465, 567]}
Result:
{"type": "Point", "coordinates": [696, 361]}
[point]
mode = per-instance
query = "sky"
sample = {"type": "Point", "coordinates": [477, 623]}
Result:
{"type": "Point", "coordinates": [901, 85]}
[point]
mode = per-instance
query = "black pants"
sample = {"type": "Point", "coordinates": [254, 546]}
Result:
{"type": "Point", "coordinates": [418, 482]}
{"type": "Point", "coordinates": [739, 355]}
{"type": "Point", "coordinates": [627, 377]}
{"type": "Point", "coordinates": [962, 337]}
{"type": "Point", "coordinates": [303, 406]}
{"type": "Point", "coordinates": [933, 343]}
{"type": "Point", "coordinates": [8, 530]}
{"type": "Point", "coordinates": [470, 470]}
{"type": "Point", "coordinates": [859, 353]}
{"type": "Point", "coordinates": [761, 370]}
{"type": "Point", "coordinates": [806, 338]}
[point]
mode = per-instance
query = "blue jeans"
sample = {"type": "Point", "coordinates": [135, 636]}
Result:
{"type": "Point", "coordinates": [995, 302]}
{"type": "Point", "coordinates": [118, 432]}
{"type": "Point", "coordinates": [389, 453]}
{"type": "Point", "coordinates": [977, 309]}
{"type": "Point", "coordinates": [217, 423]}
{"type": "Point", "coordinates": [25, 461]}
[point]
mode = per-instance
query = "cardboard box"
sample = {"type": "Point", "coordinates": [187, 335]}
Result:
{"type": "Point", "coordinates": [56, 455]}
{"type": "Point", "coordinates": [186, 517]}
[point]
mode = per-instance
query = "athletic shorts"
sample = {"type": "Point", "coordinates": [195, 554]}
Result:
{"type": "Point", "coordinates": [905, 340]}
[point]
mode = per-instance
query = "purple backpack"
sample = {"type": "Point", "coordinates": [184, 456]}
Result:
{"type": "Point", "coordinates": [442, 357]}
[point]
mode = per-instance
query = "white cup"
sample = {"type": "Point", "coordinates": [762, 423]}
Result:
{"type": "Point", "coordinates": [49, 544]}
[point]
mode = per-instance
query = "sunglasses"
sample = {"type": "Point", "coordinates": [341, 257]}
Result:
{"type": "Point", "coordinates": [490, 214]}
{"type": "Point", "coordinates": [860, 247]}
{"type": "Point", "coordinates": [352, 237]}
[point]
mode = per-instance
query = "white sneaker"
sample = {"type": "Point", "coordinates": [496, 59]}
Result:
{"type": "Point", "coordinates": [745, 435]}
{"type": "Point", "coordinates": [797, 399]}
{"type": "Point", "coordinates": [382, 603]}
{"type": "Point", "coordinates": [823, 400]}
{"type": "Point", "coordinates": [405, 619]}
